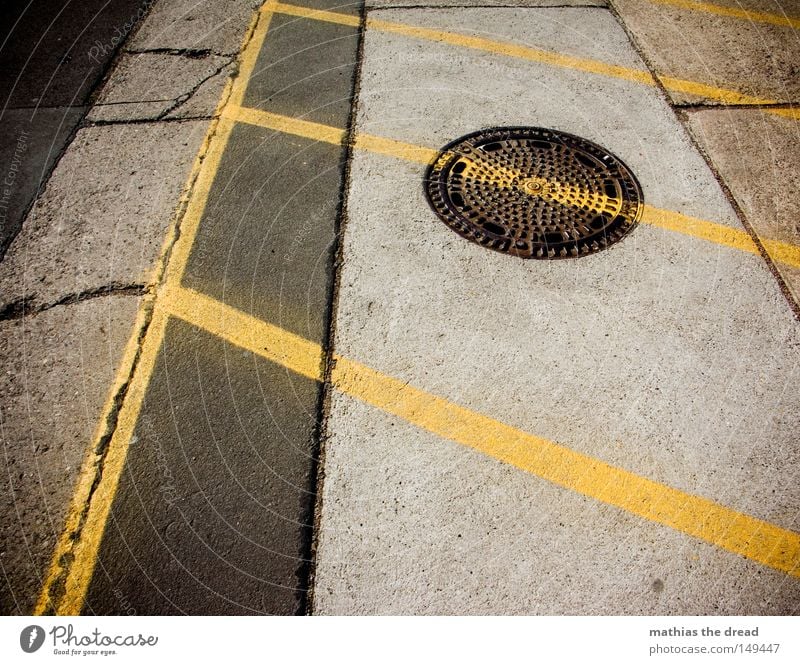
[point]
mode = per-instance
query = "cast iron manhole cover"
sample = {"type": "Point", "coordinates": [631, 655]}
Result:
{"type": "Point", "coordinates": [534, 193]}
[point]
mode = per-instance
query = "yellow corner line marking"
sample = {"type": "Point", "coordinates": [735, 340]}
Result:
{"type": "Point", "coordinates": [478, 43]}
{"type": "Point", "coordinates": [666, 219]}
{"type": "Point", "coordinates": [539, 55]}
{"type": "Point", "coordinates": [76, 551]}
{"type": "Point", "coordinates": [733, 12]}
{"type": "Point", "coordinates": [286, 124]}
{"type": "Point", "coordinates": [271, 342]}
{"type": "Point", "coordinates": [702, 518]}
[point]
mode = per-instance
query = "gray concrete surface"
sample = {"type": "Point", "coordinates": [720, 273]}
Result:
{"type": "Point", "coordinates": [103, 218]}
{"type": "Point", "coordinates": [57, 369]}
{"type": "Point", "coordinates": [421, 525]}
{"type": "Point", "coordinates": [756, 155]}
{"type": "Point", "coordinates": [51, 59]}
{"type": "Point", "coordinates": [665, 355]}
{"type": "Point", "coordinates": [301, 69]}
{"type": "Point", "coordinates": [209, 517]}
{"type": "Point", "coordinates": [32, 142]}
{"type": "Point", "coordinates": [151, 86]}
{"type": "Point", "coordinates": [216, 25]}
{"type": "Point", "coordinates": [757, 59]}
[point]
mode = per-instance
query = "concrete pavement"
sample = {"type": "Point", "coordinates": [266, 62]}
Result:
{"type": "Point", "coordinates": [331, 403]}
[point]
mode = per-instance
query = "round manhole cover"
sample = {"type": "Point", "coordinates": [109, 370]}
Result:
{"type": "Point", "coordinates": [534, 193]}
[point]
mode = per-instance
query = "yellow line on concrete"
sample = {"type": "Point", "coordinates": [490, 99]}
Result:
{"type": "Point", "coordinates": [702, 518]}
{"type": "Point", "coordinates": [268, 341]}
{"type": "Point", "coordinates": [539, 55]}
{"type": "Point", "coordinates": [719, 234]}
{"type": "Point", "coordinates": [75, 556]}
{"type": "Point", "coordinates": [734, 12]}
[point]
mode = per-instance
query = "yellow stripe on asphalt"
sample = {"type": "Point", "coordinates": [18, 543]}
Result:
{"type": "Point", "coordinates": [75, 555]}
{"type": "Point", "coordinates": [719, 234]}
{"type": "Point", "coordinates": [733, 12]}
{"type": "Point", "coordinates": [539, 55]}
{"type": "Point", "coordinates": [742, 534]}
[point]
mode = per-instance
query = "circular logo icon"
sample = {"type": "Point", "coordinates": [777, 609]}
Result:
{"type": "Point", "coordinates": [31, 638]}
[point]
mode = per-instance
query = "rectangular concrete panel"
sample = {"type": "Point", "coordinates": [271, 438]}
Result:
{"type": "Point", "coordinates": [669, 356]}
{"type": "Point", "coordinates": [305, 70]}
{"type": "Point", "coordinates": [212, 512]}
{"type": "Point", "coordinates": [265, 242]}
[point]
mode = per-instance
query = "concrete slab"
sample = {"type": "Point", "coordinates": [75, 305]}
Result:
{"type": "Point", "coordinates": [313, 81]}
{"type": "Point", "coordinates": [218, 25]}
{"type": "Point", "coordinates": [421, 525]}
{"type": "Point", "coordinates": [147, 86]}
{"type": "Point", "coordinates": [756, 154]}
{"type": "Point", "coordinates": [213, 509]}
{"type": "Point", "coordinates": [666, 355]}
{"type": "Point", "coordinates": [265, 244]}
{"type": "Point", "coordinates": [54, 54]}
{"type": "Point", "coordinates": [57, 369]}
{"type": "Point", "coordinates": [755, 58]}
{"type": "Point", "coordinates": [104, 215]}
{"type": "Point", "coordinates": [33, 141]}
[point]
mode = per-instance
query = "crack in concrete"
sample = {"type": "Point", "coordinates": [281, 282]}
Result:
{"type": "Point", "coordinates": [57, 588]}
{"type": "Point", "coordinates": [194, 53]}
{"type": "Point", "coordinates": [711, 106]}
{"type": "Point", "coordinates": [180, 101]}
{"type": "Point", "coordinates": [25, 307]}
{"type": "Point", "coordinates": [145, 121]}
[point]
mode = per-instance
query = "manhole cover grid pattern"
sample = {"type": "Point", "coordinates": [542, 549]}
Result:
{"type": "Point", "coordinates": [534, 193]}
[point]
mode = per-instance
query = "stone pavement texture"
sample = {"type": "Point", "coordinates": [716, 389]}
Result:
{"type": "Point", "coordinates": [237, 469]}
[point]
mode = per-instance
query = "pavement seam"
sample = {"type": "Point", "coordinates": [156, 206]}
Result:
{"type": "Point", "coordinates": [26, 307]}
{"type": "Point", "coordinates": [148, 121]}
{"type": "Point", "coordinates": [328, 346]}
{"type": "Point", "coordinates": [760, 243]}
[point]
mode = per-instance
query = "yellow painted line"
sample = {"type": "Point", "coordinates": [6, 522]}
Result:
{"type": "Point", "coordinates": [286, 124]}
{"type": "Point", "coordinates": [75, 555]}
{"type": "Point", "coordinates": [268, 341]}
{"type": "Point", "coordinates": [696, 516]}
{"type": "Point", "coordinates": [734, 12]}
{"type": "Point", "coordinates": [539, 55]}
{"type": "Point", "coordinates": [473, 42]}
{"type": "Point", "coordinates": [719, 234]}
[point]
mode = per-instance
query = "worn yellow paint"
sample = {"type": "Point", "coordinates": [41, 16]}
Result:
{"type": "Point", "coordinates": [76, 552]}
{"type": "Point", "coordinates": [697, 516]}
{"type": "Point", "coordinates": [734, 12]}
{"type": "Point", "coordinates": [286, 124]}
{"type": "Point", "coordinates": [276, 344]}
{"type": "Point", "coordinates": [781, 252]}
{"type": "Point", "coordinates": [552, 58]}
